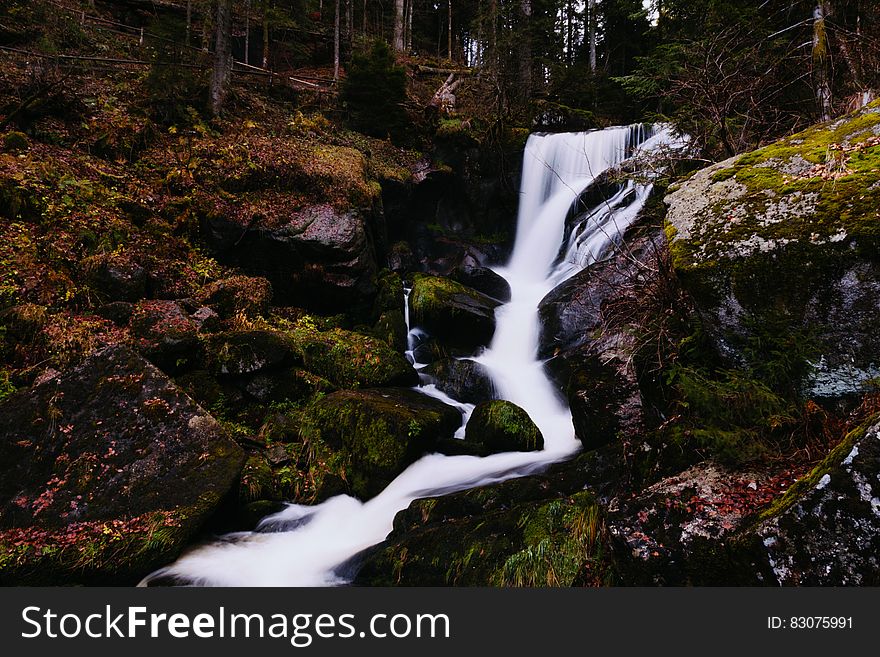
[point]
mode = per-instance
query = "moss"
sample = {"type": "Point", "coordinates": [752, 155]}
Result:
{"type": "Point", "coordinates": [349, 359]}
{"type": "Point", "coordinates": [15, 142]}
{"type": "Point", "coordinates": [503, 426]}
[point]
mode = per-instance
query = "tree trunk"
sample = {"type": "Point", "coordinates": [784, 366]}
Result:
{"type": "Point", "coordinates": [336, 43]}
{"type": "Point", "coordinates": [364, 17]}
{"type": "Point", "coordinates": [266, 34]}
{"type": "Point", "coordinates": [449, 32]}
{"type": "Point", "coordinates": [820, 59]}
{"type": "Point", "coordinates": [247, 32]}
{"type": "Point", "coordinates": [189, 8]}
{"type": "Point", "coordinates": [222, 56]}
{"type": "Point", "coordinates": [409, 18]}
{"type": "Point", "coordinates": [398, 26]}
{"type": "Point", "coordinates": [525, 49]}
{"type": "Point", "coordinates": [592, 34]}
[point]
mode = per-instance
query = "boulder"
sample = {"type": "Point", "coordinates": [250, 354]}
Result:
{"type": "Point", "coordinates": [248, 352]}
{"type": "Point", "coordinates": [462, 379]}
{"type": "Point", "coordinates": [502, 426]}
{"type": "Point", "coordinates": [587, 334]}
{"type": "Point", "coordinates": [288, 385]}
{"type": "Point", "coordinates": [472, 273]}
{"type": "Point", "coordinates": [115, 277]}
{"type": "Point", "coordinates": [351, 360]}
{"type": "Point", "coordinates": [318, 258]}
{"type": "Point", "coordinates": [360, 440]}
{"type": "Point", "coordinates": [109, 471]}
{"type": "Point", "coordinates": [784, 240]}
{"type": "Point", "coordinates": [825, 531]}
{"type": "Point", "coordinates": [453, 313]}
{"type": "Point", "coordinates": [165, 334]}
{"type": "Point", "coordinates": [245, 295]}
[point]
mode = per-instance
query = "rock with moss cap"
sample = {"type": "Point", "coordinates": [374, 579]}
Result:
{"type": "Point", "coordinates": [360, 440]}
{"type": "Point", "coordinates": [502, 426]}
{"type": "Point", "coordinates": [110, 470]}
{"type": "Point", "coordinates": [787, 236]}
{"type": "Point", "coordinates": [247, 352]}
{"type": "Point", "coordinates": [239, 295]}
{"type": "Point", "coordinates": [453, 313]}
{"type": "Point", "coordinates": [349, 359]}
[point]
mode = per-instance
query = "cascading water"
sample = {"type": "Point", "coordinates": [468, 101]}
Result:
{"type": "Point", "coordinates": [306, 545]}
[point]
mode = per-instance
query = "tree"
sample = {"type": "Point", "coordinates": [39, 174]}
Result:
{"type": "Point", "coordinates": [820, 59]}
{"type": "Point", "coordinates": [399, 42]}
{"type": "Point", "coordinates": [222, 70]}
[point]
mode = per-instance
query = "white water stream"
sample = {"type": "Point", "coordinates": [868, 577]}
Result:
{"type": "Point", "coordinates": [315, 541]}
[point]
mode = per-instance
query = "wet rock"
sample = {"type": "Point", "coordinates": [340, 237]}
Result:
{"type": "Point", "coordinates": [361, 439]}
{"type": "Point", "coordinates": [165, 334]}
{"type": "Point", "coordinates": [318, 258]}
{"type": "Point", "coordinates": [452, 312]}
{"type": "Point", "coordinates": [401, 259]}
{"type": "Point", "coordinates": [239, 295]}
{"type": "Point", "coordinates": [502, 426]}
{"type": "Point", "coordinates": [110, 458]}
{"type": "Point", "coordinates": [472, 273]}
{"type": "Point", "coordinates": [464, 380]}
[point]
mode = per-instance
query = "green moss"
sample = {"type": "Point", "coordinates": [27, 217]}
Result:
{"type": "Point", "coordinates": [503, 426]}
{"type": "Point", "coordinates": [349, 359]}
{"type": "Point", "coordinates": [15, 142]}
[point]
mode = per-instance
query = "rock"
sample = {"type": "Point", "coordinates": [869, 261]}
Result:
{"type": "Point", "coordinates": [248, 352]}
{"type": "Point", "coordinates": [109, 459]}
{"type": "Point", "coordinates": [19, 327]}
{"type": "Point", "coordinates": [165, 334]}
{"type": "Point", "coordinates": [244, 295]}
{"type": "Point", "coordinates": [783, 241]}
{"type": "Point", "coordinates": [464, 380]}
{"type": "Point", "coordinates": [289, 385]}
{"type": "Point", "coordinates": [502, 426]}
{"type": "Point", "coordinates": [115, 277]}
{"type": "Point", "coordinates": [118, 312]}
{"type": "Point", "coordinates": [206, 320]}
{"type": "Point", "coordinates": [675, 532]}
{"type": "Point", "coordinates": [362, 439]}
{"type": "Point", "coordinates": [401, 259]}
{"type": "Point", "coordinates": [352, 360]}
{"type": "Point", "coordinates": [452, 312]}
{"type": "Point", "coordinates": [317, 258]}
{"type": "Point", "coordinates": [825, 531]}
{"type": "Point", "coordinates": [474, 547]}
{"type": "Point", "coordinates": [391, 329]}
{"type": "Point", "coordinates": [587, 333]}
{"type": "Point", "coordinates": [470, 272]}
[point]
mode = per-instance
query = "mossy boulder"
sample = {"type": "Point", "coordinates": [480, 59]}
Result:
{"type": "Point", "coordinates": [109, 471]}
{"type": "Point", "coordinates": [165, 334]}
{"type": "Point", "coordinates": [15, 142]}
{"type": "Point", "coordinates": [238, 295]}
{"type": "Point", "coordinates": [495, 541]}
{"type": "Point", "coordinates": [502, 426]}
{"type": "Point", "coordinates": [360, 440]}
{"type": "Point", "coordinates": [351, 360]}
{"type": "Point", "coordinates": [787, 237]}
{"type": "Point", "coordinates": [288, 385]}
{"type": "Point", "coordinates": [236, 353]}
{"type": "Point", "coordinates": [453, 313]}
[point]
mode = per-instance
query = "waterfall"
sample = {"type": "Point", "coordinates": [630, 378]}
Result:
{"type": "Point", "coordinates": [306, 545]}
